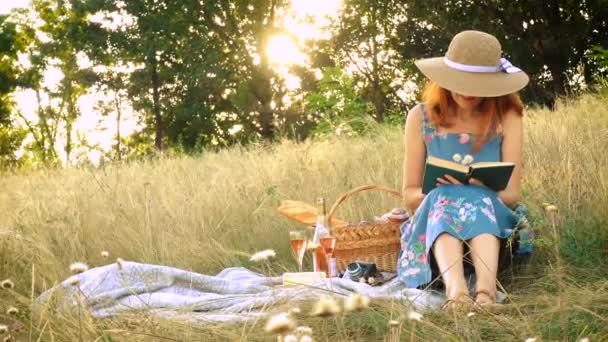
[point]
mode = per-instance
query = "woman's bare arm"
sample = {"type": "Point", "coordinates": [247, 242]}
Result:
{"type": "Point", "coordinates": [413, 161]}
{"type": "Point", "coordinates": [512, 150]}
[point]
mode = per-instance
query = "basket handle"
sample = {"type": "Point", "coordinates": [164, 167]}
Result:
{"type": "Point", "coordinates": [358, 189]}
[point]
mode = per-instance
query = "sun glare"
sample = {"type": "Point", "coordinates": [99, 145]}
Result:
{"type": "Point", "coordinates": [305, 20]}
{"type": "Point", "coordinates": [283, 50]}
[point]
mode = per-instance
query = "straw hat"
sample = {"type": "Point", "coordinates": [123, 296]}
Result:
{"type": "Point", "coordinates": [473, 67]}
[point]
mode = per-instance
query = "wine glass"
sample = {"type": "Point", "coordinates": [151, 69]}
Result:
{"type": "Point", "coordinates": [298, 242]}
{"type": "Point", "coordinates": [328, 242]}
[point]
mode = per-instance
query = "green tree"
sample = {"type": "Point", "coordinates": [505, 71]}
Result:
{"type": "Point", "coordinates": [336, 105]}
{"type": "Point", "coordinates": [551, 40]}
{"type": "Point", "coordinates": [11, 137]}
{"type": "Point", "coordinates": [63, 29]}
{"type": "Point", "coordinates": [182, 76]}
{"type": "Point", "coordinates": [362, 38]}
{"type": "Point", "coordinates": [245, 27]}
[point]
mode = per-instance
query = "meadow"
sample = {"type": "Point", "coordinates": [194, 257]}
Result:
{"type": "Point", "coordinates": [204, 213]}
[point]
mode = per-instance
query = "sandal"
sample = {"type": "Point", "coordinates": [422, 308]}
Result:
{"type": "Point", "coordinates": [462, 303]}
{"type": "Point", "coordinates": [483, 305]}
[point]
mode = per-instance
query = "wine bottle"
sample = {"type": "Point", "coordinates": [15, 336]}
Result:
{"type": "Point", "coordinates": [319, 258]}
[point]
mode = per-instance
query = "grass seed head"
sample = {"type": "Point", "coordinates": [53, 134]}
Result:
{"type": "Point", "coordinates": [551, 208]}
{"type": "Point", "coordinates": [263, 255]}
{"type": "Point", "coordinates": [304, 330]}
{"type": "Point", "coordinates": [290, 338]}
{"type": "Point", "coordinates": [356, 302]}
{"type": "Point", "coordinates": [7, 284]}
{"type": "Point", "coordinates": [393, 323]}
{"type": "Point", "coordinates": [280, 324]}
{"type": "Point", "coordinates": [73, 280]}
{"type": "Point", "coordinates": [325, 307]}
{"type": "Point", "coordinates": [415, 316]}
{"type": "Point", "coordinates": [78, 267]}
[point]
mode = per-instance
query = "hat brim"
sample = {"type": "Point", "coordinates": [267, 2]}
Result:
{"type": "Point", "coordinates": [466, 83]}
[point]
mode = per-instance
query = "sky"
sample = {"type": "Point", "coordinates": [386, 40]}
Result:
{"type": "Point", "coordinates": [7, 5]}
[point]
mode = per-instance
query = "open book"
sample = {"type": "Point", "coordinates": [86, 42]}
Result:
{"type": "Point", "coordinates": [495, 175]}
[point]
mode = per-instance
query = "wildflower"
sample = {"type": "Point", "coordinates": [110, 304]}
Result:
{"type": "Point", "coordinates": [306, 338]}
{"type": "Point", "coordinates": [393, 323]}
{"type": "Point", "coordinates": [290, 338]}
{"type": "Point", "coordinates": [470, 314]}
{"type": "Point", "coordinates": [263, 255]}
{"type": "Point", "coordinates": [531, 339]}
{"type": "Point", "coordinates": [73, 280]}
{"type": "Point", "coordinates": [119, 263]}
{"type": "Point", "coordinates": [468, 159]}
{"type": "Point", "coordinates": [415, 316]}
{"type": "Point", "coordinates": [280, 324]}
{"type": "Point", "coordinates": [7, 284]}
{"type": "Point", "coordinates": [303, 330]}
{"type": "Point", "coordinates": [362, 280]}
{"type": "Point", "coordinates": [8, 338]}
{"type": "Point", "coordinates": [356, 302]}
{"type": "Point", "coordinates": [12, 311]}
{"type": "Point", "coordinates": [584, 339]}
{"type": "Point", "coordinates": [17, 327]}
{"type": "Point", "coordinates": [457, 157]}
{"type": "Point", "coordinates": [78, 267]}
{"type": "Point", "coordinates": [3, 329]}
{"type": "Point", "coordinates": [294, 311]}
{"type": "Point", "coordinates": [325, 307]}
{"type": "Point", "coordinates": [464, 138]}
{"type": "Point", "coordinates": [371, 280]}
{"type": "Point", "coordinates": [105, 254]}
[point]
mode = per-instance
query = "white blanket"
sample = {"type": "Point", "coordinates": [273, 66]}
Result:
{"type": "Point", "coordinates": [234, 295]}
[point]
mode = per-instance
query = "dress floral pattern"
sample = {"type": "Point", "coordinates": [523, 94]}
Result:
{"type": "Point", "coordinates": [463, 211]}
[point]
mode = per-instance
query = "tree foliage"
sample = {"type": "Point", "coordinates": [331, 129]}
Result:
{"type": "Point", "coordinates": [198, 75]}
{"type": "Point", "coordinates": [551, 39]}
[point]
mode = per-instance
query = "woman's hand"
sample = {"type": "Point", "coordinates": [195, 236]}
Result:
{"type": "Point", "coordinates": [474, 181]}
{"type": "Point", "coordinates": [447, 179]}
{"type": "Point", "coordinates": [451, 180]}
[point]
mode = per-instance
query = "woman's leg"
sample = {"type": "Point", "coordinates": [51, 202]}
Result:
{"type": "Point", "coordinates": [448, 252]}
{"type": "Point", "coordinates": [484, 253]}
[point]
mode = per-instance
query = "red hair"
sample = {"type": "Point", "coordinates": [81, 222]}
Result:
{"type": "Point", "coordinates": [441, 105]}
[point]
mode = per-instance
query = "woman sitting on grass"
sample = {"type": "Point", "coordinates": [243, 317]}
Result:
{"type": "Point", "coordinates": [471, 113]}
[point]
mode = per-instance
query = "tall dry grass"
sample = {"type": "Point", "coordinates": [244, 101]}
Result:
{"type": "Point", "coordinates": [209, 212]}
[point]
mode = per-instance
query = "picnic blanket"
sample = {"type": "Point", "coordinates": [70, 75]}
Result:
{"type": "Point", "coordinates": [234, 295]}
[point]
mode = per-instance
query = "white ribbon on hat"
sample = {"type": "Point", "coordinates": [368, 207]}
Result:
{"type": "Point", "coordinates": [504, 65]}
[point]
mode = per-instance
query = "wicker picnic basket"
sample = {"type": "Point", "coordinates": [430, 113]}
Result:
{"type": "Point", "coordinates": [377, 243]}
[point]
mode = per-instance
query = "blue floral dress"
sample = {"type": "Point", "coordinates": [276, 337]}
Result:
{"type": "Point", "coordinates": [463, 211]}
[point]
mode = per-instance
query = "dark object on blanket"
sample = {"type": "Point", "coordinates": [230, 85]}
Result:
{"type": "Point", "coordinates": [366, 272]}
{"type": "Point", "coordinates": [359, 269]}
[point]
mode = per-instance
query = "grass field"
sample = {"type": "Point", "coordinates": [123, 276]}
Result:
{"type": "Point", "coordinates": [208, 212]}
